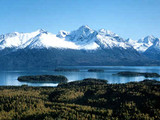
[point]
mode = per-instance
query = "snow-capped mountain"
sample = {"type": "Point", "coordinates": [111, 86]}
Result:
{"type": "Point", "coordinates": [47, 40]}
{"type": "Point", "coordinates": [62, 34]}
{"type": "Point", "coordinates": [12, 40]}
{"type": "Point", "coordinates": [83, 46]}
{"type": "Point", "coordinates": [37, 39]}
{"type": "Point", "coordinates": [143, 44]}
{"type": "Point", "coordinates": [108, 39]}
{"type": "Point", "coordinates": [154, 50]}
{"type": "Point", "coordinates": [156, 44]}
{"type": "Point", "coordinates": [82, 38]}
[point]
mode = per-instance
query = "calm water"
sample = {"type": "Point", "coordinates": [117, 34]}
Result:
{"type": "Point", "coordinates": [9, 77]}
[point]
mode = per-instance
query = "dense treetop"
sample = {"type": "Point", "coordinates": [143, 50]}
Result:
{"type": "Point", "coordinates": [87, 99]}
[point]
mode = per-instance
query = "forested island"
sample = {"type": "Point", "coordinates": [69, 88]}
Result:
{"type": "Point", "coordinates": [91, 99]}
{"type": "Point", "coordinates": [43, 78]}
{"type": "Point", "coordinates": [133, 74]}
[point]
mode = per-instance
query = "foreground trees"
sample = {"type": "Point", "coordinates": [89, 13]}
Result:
{"type": "Point", "coordinates": [88, 99]}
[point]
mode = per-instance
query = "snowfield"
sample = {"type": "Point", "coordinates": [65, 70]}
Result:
{"type": "Point", "coordinates": [82, 38]}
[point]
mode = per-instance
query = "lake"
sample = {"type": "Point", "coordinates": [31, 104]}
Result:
{"type": "Point", "coordinates": [9, 77]}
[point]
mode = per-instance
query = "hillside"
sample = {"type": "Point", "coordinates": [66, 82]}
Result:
{"type": "Point", "coordinates": [87, 99]}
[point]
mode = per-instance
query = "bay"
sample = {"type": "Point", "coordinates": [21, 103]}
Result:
{"type": "Point", "coordinates": [9, 77]}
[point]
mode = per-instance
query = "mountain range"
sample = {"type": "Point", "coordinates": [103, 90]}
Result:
{"type": "Point", "coordinates": [83, 46]}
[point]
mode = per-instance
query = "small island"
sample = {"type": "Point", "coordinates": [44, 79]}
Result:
{"type": "Point", "coordinates": [84, 82]}
{"type": "Point", "coordinates": [66, 70]}
{"type": "Point", "coordinates": [95, 70]}
{"type": "Point", "coordinates": [133, 74]}
{"type": "Point", "coordinates": [43, 78]}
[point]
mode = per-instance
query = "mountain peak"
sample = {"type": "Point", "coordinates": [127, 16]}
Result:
{"type": "Point", "coordinates": [83, 36]}
{"type": "Point", "coordinates": [11, 34]}
{"type": "Point", "coordinates": [85, 28]}
{"type": "Point", "coordinates": [62, 34]}
{"type": "Point", "coordinates": [129, 40]}
{"type": "Point", "coordinates": [107, 32]}
{"type": "Point", "coordinates": [41, 31]}
{"type": "Point", "coordinates": [147, 39]}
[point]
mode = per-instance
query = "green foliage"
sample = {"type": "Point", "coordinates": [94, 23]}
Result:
{"type": "Point", "coordinates": [86, 100]}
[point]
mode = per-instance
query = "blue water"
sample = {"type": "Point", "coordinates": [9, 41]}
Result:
{"type": "Point", "coordinates": [9, 77]}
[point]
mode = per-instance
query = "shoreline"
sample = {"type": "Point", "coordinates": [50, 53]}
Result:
{"type": "Point", "coordinates": [38, 82]}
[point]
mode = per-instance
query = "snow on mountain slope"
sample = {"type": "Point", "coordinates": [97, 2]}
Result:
{"type": "Point", "coordinates": [62, 34]}
{"type": "Point", "coordinates": [16, 39]}
{"type": "Point", "coordinates": [154, 50]}
{"type": "Point", "coordinates": [92, 39]}
{"type": "Point", "coordinates": [10, 40]}
{"type": "Point", "coordinates": [138, 46]}
{"type": "Point", "coordinates": [107, 33]}
{"type": "Point", "coordinates": [108, 39]}
{"type": "Point", "coordinates": [63, 40]}
{"type": "Point", "coordinates": [143, 44]}
{"type": "Point", "coordinates": [155, 45]}
{"type": "Point", "coordinates": [48, 40]}
{"type": "Point", "coordinates": [43, 39]}
{"type": "Point", "coordinates": [82, 38]}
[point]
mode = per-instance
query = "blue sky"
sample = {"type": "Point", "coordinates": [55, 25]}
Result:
{"type": "Point", "coordinates": [128, 18]}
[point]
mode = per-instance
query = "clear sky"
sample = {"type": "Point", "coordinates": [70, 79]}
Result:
{"type": "Point", "coordinates": [128, 18]}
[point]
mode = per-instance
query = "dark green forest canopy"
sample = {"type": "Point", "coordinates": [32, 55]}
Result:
{"type": "Point", "coordinates": [43, 78]}
{"type": "Point", "coordinates": [132, 74]}
{"type": "Point", "coordinates": [87, 99]}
